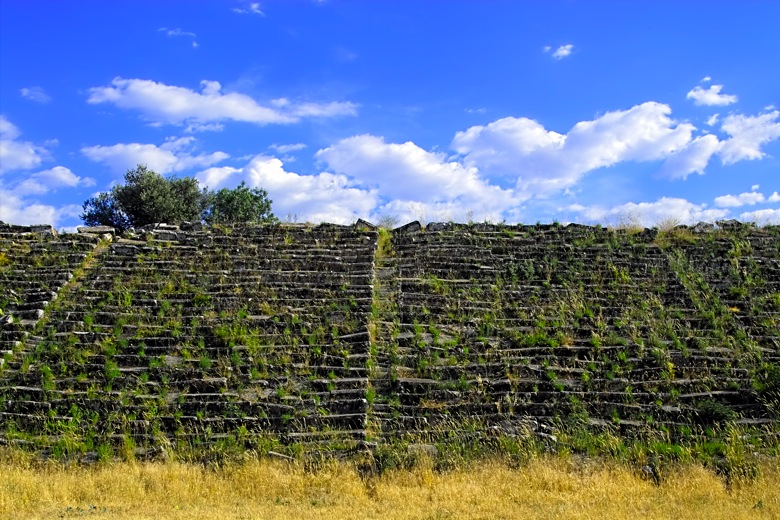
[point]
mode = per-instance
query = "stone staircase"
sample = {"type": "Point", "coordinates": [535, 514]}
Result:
{"type": "Point", "coordinates": [193, 337]}
{"type": "Point", "coordinates": [326, 338]}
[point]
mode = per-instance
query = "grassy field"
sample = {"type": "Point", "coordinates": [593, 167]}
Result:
{"type": "Point", "coordinates": [545, 487]}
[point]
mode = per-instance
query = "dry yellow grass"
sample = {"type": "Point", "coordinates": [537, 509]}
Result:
{"type": "Point", "coordinates": [545, 488]}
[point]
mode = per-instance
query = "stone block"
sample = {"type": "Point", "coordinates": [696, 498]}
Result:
{"type": "Point", "coordinates": [96, 230]}
{"type": "Point", "coordinates": [411, 227]}
{"type": "Point", "coordinates": [364, 224]}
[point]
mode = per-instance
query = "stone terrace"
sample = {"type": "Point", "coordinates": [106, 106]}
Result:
{"type": "Point", "coordinates": [192, 337]}
{"type": "Point", "coordinates": [328, 337]}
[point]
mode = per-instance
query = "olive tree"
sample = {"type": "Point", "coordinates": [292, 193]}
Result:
{"type": "Point", "coordinates": [239, 205]}
{"type": "Point", "coordinates": [146, 197]}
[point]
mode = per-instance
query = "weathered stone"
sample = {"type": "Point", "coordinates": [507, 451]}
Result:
{"type": "Point", "coordinates": [364, 224]}
{"type": "Point", "coordinates": [96, 230]}
{"type": "Point", "coordinates": [159, 226]}
{"type": "Point", "coordinates": [703, 227]}
{"type": "Point", "coordinates": [166, 235]}
{"type": "Point", "coordinates": [44, 230]}
{"type": "Point", "coordinates": [124, 249]}
{"type": "Point", "coordinates": [436, 226]}
{"type": "Point", "coordinates": [729, 225]}
{"type": "Point", "coordinates": [411, 227]}
{"type": "Point", "coordinates": [191, 226]}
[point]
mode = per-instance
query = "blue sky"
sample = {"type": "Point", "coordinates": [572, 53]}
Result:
{"type": "Point", "coordinates": [593, 112]}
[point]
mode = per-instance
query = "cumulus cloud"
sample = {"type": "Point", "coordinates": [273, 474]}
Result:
{"type": "Point", "coordinates": [408, 174]}
{"type": "Point", "coordinates": [37, 94]}
{"type": "Point", "coordinates": [748, 198]}
{"type": "Point", "coordinates": [762, 216]}
{"type": "Point", "coordinates": [216, 176]}
{"type": "Point", "coordinates": [17, 210]}
{"type": "Point", "coordinates": [322, 197]}
{"type": "Point", "coordinates": [543, 161]}
{"type": "Point", "coordinates": [206, 110]}
{"type": "Point", "coordinates": [712, 120]}
{"type": "Point", "coordinates": [368, 177]}
{"type": "Point", "coordinates": [172, 156]}
{"type": "Point", "coordinates": [649, 214]}
{"type": "Point", "coordinates": [16, 207]}
{"type": "Point", "coordinates": [561, 52]}
{"type": "Point", "coordinates": [51, 180]}
{"type": "Point", "coordinates": [775, 197]}
{"type": "Point", "coordinates": [748, 134]}
{"type": "Point", "coordinates": [16, 154]}
{"type": "Point", "coordinates": [691, 158]}
{"type": "Point", "coordinates": [710, 96]}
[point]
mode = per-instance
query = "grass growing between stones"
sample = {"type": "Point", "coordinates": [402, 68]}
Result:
{"type": "Point", "coordinates": [542, 487]}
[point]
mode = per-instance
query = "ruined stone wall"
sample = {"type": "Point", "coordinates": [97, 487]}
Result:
{"type": "Point", "coordinates": [332, 337]}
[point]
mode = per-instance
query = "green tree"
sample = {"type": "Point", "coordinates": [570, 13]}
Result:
{"type": "Point", "coordinates": [145, 198]}
{"type": "Point", "coordinates": [103, 210]}
{"type": "Point", "coordinates": [239, 205]}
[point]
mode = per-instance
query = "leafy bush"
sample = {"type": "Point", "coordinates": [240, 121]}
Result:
{"type": "Point", "coordinates": [147, 197]}
{"type": "Point", "coordinates": [239, 205]}
{"type": "Point", "coordinates": [712, 412]}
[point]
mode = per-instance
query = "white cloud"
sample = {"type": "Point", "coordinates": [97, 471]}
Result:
{"type": "Point", "coordinates": [252, 8]}
{"type": "Point", "coordinates": [652, 213]}
{"type": "Point", "coordinates": [405, 173]}
{"type": "Point", "coordinates": [712, 120]}
{"type": "Point", "coordinates": [561, 52]}
{"type": "Point", "coordinates": [17, 210]}
{"type": "Point", "coordinates": [325, 197]}
{"type": "Point", "coordinates": [711, 96]}
{"type": "Point", "coordinates": [51, 180]}
{"type": "Point", "coordinates": [287, 148]}
{"type": "Point", "coordinates": [775, 197]}
{"type": "Point", "coordinates": [748, 133]}
{"type": "Point", "coordinates": [36, 94]}
{"type": "Point", "coordinates": [749, 198]}
{"type": "Point", "coordinates": [762, 216]}
{"type": "Point", "coordinates": [166, 104]}
{"type": "Point", "coordinates": [542, 161]}
{"type": "Point", "coordinates": [172, 156]}
{"type": "Point", "coordinates": [176, 32]}
{"type": "Point", "coordinates": [7, 129]}
{"type": "Point", "coordinates": [15, 154]}
{"type": "Point", "coordinates": [368, 177]}
{"type": "Point", "coordinates": [691, 158]}
{"type": "Point", "coordinates": [706, 79]}
{"type": "Point", "coordinates": [172, 33]}
{"type": "Point", "coordinates": [216, 176]}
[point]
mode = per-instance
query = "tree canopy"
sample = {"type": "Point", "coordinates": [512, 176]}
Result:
{"type": "Point", "coordinates": [146, 197]}
{"type": "Point", "coordinates": [239, 205]}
